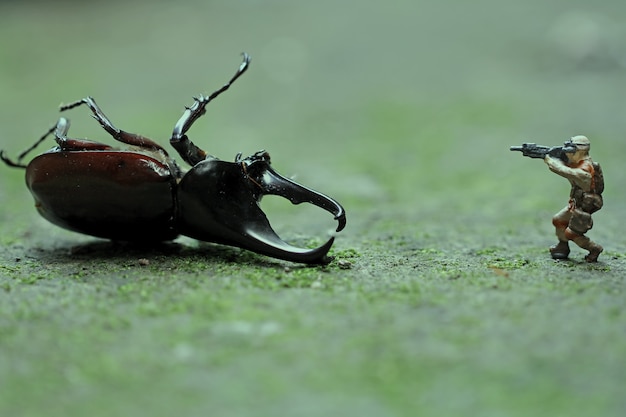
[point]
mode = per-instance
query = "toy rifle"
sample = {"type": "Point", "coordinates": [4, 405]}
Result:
{"type": "Point", "coordinates": [532, 150]}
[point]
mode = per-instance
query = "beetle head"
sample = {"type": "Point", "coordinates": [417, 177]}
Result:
{"type": "Point", "coordinates": [219, 202]}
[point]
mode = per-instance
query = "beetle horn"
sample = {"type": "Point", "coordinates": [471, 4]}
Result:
{"type": "Point", "coordinates": [272, 183]}
{"type": "Point", "coordinates": [264, 240]}
{"type": "Point", "coordinates": [219, 202]}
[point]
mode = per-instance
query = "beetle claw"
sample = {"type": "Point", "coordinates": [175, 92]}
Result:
{"type": "Point", "coordinates": [9, 161]}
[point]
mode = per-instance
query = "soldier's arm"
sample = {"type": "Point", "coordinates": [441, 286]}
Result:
{"type": "Point", "coordinates": [579, 176]}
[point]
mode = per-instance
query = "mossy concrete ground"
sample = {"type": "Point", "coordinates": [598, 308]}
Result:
{"type": "Point", "coordinates": [442, 298]}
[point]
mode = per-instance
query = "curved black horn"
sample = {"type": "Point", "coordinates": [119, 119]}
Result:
{"type": "Point", "coordinates": [219, 202]}
{"type": "Point", "coordinates": [276, 184]}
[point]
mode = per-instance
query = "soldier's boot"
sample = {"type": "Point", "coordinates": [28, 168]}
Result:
{"type": "Point", "coordinates": [560, 250]}
{"type": "Point", "coordinates": [594, 251]}
{"type": "Point", "coordinates": [585, 243]}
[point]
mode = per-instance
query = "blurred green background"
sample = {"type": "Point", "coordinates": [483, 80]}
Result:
{"type": "Point", "coordinates": [404, 112]}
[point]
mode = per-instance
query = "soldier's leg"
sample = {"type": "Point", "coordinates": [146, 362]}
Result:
{"type": "Point", "coordinates": [560, 222]}
{"type": "Point", "coordinates": [579, 224]}
{"type": "Point", "coordinates": [585, 243]}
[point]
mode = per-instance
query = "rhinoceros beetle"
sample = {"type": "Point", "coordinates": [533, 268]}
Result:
{"type": "Point", "coordinates": [139, 193]}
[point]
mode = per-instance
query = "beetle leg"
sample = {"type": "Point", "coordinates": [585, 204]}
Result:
{"type": "Point", "coordinates": [18, 163]}
{"type": "Point", "coordinates": [67, 144]}
{"type": "Point", "coordinates": [117, 134]}
{"type": "Point", "coordinates": [179, 140]}
{"type": "Point", "coordinates": [9, 161]}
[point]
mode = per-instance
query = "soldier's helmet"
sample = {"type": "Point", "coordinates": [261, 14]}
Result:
{"type": "Point", "coordinates": [581, 142]}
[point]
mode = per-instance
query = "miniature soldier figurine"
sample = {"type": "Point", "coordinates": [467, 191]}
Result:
{"type": "Point", "coordinates": [573, 221]}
